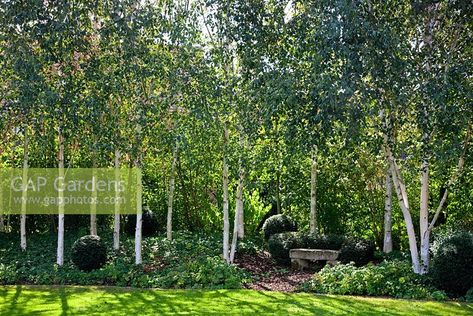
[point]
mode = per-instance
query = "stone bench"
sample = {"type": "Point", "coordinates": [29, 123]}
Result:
{"type": "Point", "coordinates": [300, 258]}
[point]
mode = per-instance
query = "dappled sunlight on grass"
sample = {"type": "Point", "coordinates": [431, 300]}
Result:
{"type": "Point", "coordinates": [43, 300]}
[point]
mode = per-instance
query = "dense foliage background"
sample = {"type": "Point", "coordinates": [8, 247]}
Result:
{"type": "Point", "coordinates": [277, 91]}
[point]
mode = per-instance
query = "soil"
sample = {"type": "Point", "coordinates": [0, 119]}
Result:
{"type": "Point", "coordinates": [270, 276]}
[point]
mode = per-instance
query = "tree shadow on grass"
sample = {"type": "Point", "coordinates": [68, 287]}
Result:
{"type": "Point", "coordinates": [64, 305]}
{"type": "Point", "coordinates": [126, 301]}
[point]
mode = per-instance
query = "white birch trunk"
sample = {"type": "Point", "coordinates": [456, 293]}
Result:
{"type": "Point", "coordinates": [226, 224]}
{"type": "Point", "coordinates": [116, 220]}
{"type": "Point", "coordinates": [93, 206]}
{"type": "Point", "coordinates": [240, 220]}
{"type": "Point", "coordinates": [404, 204]}
{"type": "Point", "coordinates": [139, 218]}
{"type": "Point", "coordinates": [401, 193]}
{"type": "Point", "coordinates": [388, 242]}
{"type": "Point", "coordinates": [60, 239]}
{"type": "Point", "coordinates": [238, 225]}
{"type": "Point", "coordinates": [171, 193]}
{"type": "Point", "coordinates": [424, 217]}
{"type": "Point", "coordinates": [235, 236]}
{"type": "Point", "coordinates": [313, 193]}
{"type": "Point", "coordinates": [239, 209]}
{"type": "Point", "coordinates": [24, 194]}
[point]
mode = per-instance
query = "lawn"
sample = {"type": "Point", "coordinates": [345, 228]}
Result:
{"type": "Point", "coordinates": [68, 300]}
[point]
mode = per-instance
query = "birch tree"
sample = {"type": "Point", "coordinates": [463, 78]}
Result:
{"type": "Point", "coordinates": [387, 240]}
{"type": "Point", "coordinates": [24, 190]}
{"type": "Point", "coordinates": [313, 193]}
{"type": "Point", "coordinates": [238, 225]}
{"type": "Point", "coordinates": [172, 179]}
{"type": "Point", "coordinates": [116, 216]}
{"type": "Point", "coordinates": [421, 106]}
{"type": "Point", "coordinates": [60, 230]}
{"type": "Point", "coordinates": [226, 220]}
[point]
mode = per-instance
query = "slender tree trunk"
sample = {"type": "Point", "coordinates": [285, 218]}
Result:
{"type": "Point", "coordinates": [60, 239]}
{"type": "Point", "coordinates": [239, 196]}
{"type": "Point", "coordinates": [239, 207]}
{"type": "Point", "coordinates": [238, 227]}
{"type": "Point", "coordinates": [388, 241]}
{"type": "Point", "coordinates": [139, 217]}
{"type": "Point", "coordinates": [424, 217]}
{"type": "Point", "coordinates": [404, 204]}
{"type": "Point", "coordinates": [24, 193]}
{"type": "Point", "coordinates": [116, 219]}
{"type": "Point", "coordinates": [226, 224]}
{"type": "Point", "coordinates": [401, 193]}
{"type": "Point", "coordinates": [313, 193]}
{"type": "Point", "coordinates": [171, 193]}
{"type": "Point", "coordinates": [93, 206]}
{"type": "Point", "coordinates": [234, 236]}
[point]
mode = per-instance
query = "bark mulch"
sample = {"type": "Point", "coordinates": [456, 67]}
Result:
{"type": "Point", "coordinates": [270, 276]}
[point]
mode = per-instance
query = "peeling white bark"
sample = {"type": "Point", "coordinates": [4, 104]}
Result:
{"type": "Point", "coordinates": [24, 194]}
{"type": "Point", "coordinates": [424, 217]}
{"type": "Point", "coordinates": [239, 195]}
{"type": "Point", "coordinates": [171, 193]}
{"type": "Point", "coordinates": [313, 193]}
{"type": "Point", "coordinates": [404, 204]}
{"type": "Point", "coordinates": [116, 219]}
{"type": "Point", "coordinates": [388, 242]}
{"type": "Point", "coordinates": [401, 193]}
{"type": "Point", "coordinates": [60, 239]}
{"type": "Point", "coordinates": [139, 218]}
{"type": "Point", "coordinates": [93, 206]}
{"type": "Point", "coordinates": [235, 236]}
{"type": "Point", "coordinates": [226, 224]}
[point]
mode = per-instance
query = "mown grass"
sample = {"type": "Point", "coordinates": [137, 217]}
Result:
{"type": "Point", "coordinates": [70, 300]}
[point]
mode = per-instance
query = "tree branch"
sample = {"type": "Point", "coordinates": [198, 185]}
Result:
{"type": "Point", "coordinates": [461, 164]}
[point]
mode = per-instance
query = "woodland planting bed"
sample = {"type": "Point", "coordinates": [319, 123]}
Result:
{"type": "Point", "coordinates": [190, 261]}
{"type": "Point", "coordinates": [193, 261]}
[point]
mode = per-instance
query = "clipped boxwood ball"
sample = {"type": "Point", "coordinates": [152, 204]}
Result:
{"type": "Point", "coordinates": [149, 226]}
{"type": "Point", "coordinates": [357, 250]}
{"type": "Point", "coordinates": [331, 242]}
{"type": "Point", "coordinates": [89, 253]}
{"type": "Point", "coordinates": [278, 224]}
{"type": "Point", "coordinates": [452, 263]}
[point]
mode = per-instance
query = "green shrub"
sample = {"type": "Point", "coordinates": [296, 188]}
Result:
{"type": "Point", "coordinates": [393, 255]}
{"type": "Point", "coordinates": [357, 250]}
{"type": "Point", "coordinates": [452, 263]}
{"type": "Point", "coordinates": [148, 228]}
{"type": "Point", "coordinates": [206, 272]}
{"type": "Point", "coordinates": [389, 278]}
{"type": "Point", "coordinates": [280, 244]}
{"type": "Point", "coordinates": [331, 242]}
{"type": "Point", "coordinates": [7, 274]}
{"type": "Point", "coordinates": [278, 224]}
{"type": "Point", "coordinates": [190, 260]}
{"type": "Point", "coordinates": [250, 246]}
{"type": "Point", "coordinates": [89, 253]}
